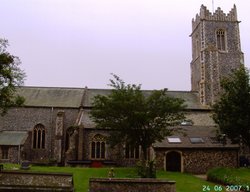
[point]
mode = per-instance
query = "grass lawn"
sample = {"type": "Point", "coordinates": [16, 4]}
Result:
{"type": "Point", "coordinates": [189, 183]}
{"type": "Point", "coordinates": [233, 177]}
{"type": "Point", "coordinates": [184, 182]}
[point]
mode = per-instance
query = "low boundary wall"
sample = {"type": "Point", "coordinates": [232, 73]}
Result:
{"type": "Point", "coordinates": [130, 185]}
{"type": "Point", "coordinates": [32, 181]}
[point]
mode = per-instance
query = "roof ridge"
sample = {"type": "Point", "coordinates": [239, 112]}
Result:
{"type": "Point", "coordinates": [106, 89]}
{"type": "Point", "coordinates": [45, 87]}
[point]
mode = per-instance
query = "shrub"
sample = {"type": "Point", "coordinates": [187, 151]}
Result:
{"type": "Point", "coordinates": [146, 169]}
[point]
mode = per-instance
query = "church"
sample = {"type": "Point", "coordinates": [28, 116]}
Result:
{"type": "Point", "coordinates": [54, 125]}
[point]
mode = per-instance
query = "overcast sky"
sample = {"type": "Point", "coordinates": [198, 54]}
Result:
{"type": "Point", "coordinates": [78, 43]}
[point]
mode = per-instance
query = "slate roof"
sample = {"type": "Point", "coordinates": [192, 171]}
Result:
{"type": "Point", "coordinates": [51, 97]}
{"type": "Point", "coordinates": [13, 138]}
{"type": "Point", "coordinates": [207, 133]}
{"type": "Point", "coordinates": [76, 97]}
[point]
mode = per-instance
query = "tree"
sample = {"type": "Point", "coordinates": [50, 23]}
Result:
{"type": "Point", "coordinates": [11, 76]}
{"type": "Point", "coordinates": [232, 111]}
{"type": "Point", "coordinates": [136, 118]}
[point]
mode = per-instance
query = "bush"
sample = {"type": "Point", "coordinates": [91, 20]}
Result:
{"type": "Point", "coordinates": [146, 169]}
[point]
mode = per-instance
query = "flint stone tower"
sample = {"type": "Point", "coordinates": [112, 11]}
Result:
{"type": "Point", "coordinates": [216, 50]}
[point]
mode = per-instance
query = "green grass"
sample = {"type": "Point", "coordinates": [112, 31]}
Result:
{"type": "Point", "coordinates": [184, 182]}
{"type": "Point", "coordinates": [189, 183]}
{"type": "Point", "coordinates": [82, 175]}
{"type": "Point", "coordinates": [230, 176]}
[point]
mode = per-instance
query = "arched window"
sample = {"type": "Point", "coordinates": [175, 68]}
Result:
{"type": "Point", "coordinates": [132, 152]}
{"type": "Point", "coordinates": [67, 139]}
{"type": "Point", "coordinates": [221, 39]}
{"type": "Point", "coordinates": [98, 147]}
{"type": "Point", "coordinates": [5, 152]}
{"type": "Point", "coordinates": [39, 137]}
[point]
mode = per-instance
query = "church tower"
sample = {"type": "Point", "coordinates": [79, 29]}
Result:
{"type": "Point", "coordinates": [216, 50]}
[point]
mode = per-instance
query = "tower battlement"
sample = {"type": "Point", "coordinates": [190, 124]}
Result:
{"type": "Point", "coordinates": [218, 15]}
{"type": "Point", "coordinates": [216, 51]}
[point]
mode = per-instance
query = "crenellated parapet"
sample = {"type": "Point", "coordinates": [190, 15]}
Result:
{"type": "Point", "coordinates": [216, 51]}
{"type": "Point", "coordinates": [218, 15]}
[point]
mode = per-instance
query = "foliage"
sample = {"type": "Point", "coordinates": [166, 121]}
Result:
{"type": "Point", "coordinates": [137, 118]}
{"type": "Point", "coordinates": [11, 76]}
{"type": "Point", "coordinates": [232, 111]}
{"type": "Point", "coordinates": [230, 176]}
{"type": "Point", "coordinates": [146, 169]}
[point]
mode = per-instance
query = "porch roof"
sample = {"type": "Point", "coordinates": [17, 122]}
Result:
{"type": "Point", "coordinates": [13, 138]}
{"type": "Point", "coordinates": [194, 137]}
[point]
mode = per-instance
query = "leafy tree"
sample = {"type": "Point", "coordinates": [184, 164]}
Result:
{"type": "Point", "coordinates": [11, 76]}
{"type": "Point", "coordinates": [232, 110]}
{"type": "Point", "coordinates": [136, 117]}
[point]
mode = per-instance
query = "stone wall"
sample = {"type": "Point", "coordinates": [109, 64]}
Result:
{"type": "Point", "coordinates": [27, 181]}
{"type": "Point", "coordinates": [26, 118]}
{"type": "Point", "coordinates": [200, 118]}
{"type": "Point", "coordinates": [199, 161]}
{"type": "Point", "coordinates": [131, 185]}
{"type": "Point", "coordinates": [12, 153]}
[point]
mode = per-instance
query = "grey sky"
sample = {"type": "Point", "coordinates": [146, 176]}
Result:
{"type": "Point", "coordinates": [78, 43]}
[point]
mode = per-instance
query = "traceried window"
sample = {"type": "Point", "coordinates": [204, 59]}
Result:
{"type": "Point", "coordinates": [132, 152]}
{"type": "Point", "coordinates": [98, 147]}
{"type": "Point", "coordinates": [5, 152]}
{"type": "Point", "coordinates": [221, 39]}
{"type": "Point", "coordinates": [39, 137]}
{"type": "Point", "coordinates": [67, 141]}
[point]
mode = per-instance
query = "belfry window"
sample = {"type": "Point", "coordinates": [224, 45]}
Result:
{"type": "Point", "coordinates": [221, 40]}
{"type": "Point", "coordinates": [98, 147]}
{"type": "Point", "coordinates": [39, 137]}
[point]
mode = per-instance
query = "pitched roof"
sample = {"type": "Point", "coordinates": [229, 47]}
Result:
{"type": "Point", "coordinates": [51, 97]}
{"type": "Point", "coordinates": [185, 133]}
{"type": "Point", "coordinates": [76, 97]}
{"type": "Point", "coordinates": [14, 138]}
{"type": "Point", "coordinates": [191, 98]}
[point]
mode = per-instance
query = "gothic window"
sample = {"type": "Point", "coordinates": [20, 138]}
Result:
{"type": "Point", "coordinates": [39, 137]}
{"type": "Point", "coordinates": [221, 40]}
{"type": "Point", "coordinates": [98, 147]}
{"type": "Point", "coordinates": [5, 152]}
{"type": "Point", "coordinates": [132, 152]}
{"type": "Point", "coordinates": [67, 139]}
